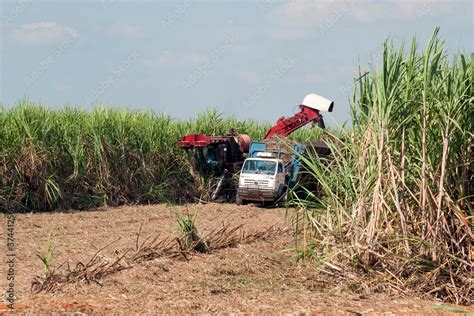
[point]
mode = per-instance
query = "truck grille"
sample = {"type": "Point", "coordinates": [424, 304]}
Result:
{"type": "Point", "coordinates": [256, 182]}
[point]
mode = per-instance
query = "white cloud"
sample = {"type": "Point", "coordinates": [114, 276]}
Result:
{"type": "Point", "coordinates": [41, 33]}
{"type": "Point", "coordinates": [304, 13]}
{"type": "Point", "coordinates": [123, 29]}
{"type": "Point", "coordinates": [175, 60]}
{"type": "Point", "coordinates": [402, 9]}
{"type": "Point", "coordinates": [415, 8]}
{"type": "Point", "coordinates": [300, 18]}
{"type": "Point", "coordinates": [316, 13]}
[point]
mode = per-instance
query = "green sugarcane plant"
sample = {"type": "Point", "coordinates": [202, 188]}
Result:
{"type": "Point", "coordinates": [397, 194]}
{"type": "Point", "coordinates": [73, 158]}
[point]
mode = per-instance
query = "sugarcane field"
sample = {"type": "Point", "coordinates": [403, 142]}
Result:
{"type": "Point", "coordinates": [306, 157]}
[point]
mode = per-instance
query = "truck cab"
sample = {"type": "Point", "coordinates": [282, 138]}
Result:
{"type": "Point", "coordinates": [262, 179]}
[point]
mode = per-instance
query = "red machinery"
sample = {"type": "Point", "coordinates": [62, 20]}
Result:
{"type": "Point", "coordinates": [224, 155]}
{"type": "Point", "coordinates": [309, 112]}
{"type": "Point", "coordinates": [214, 154]}
{"type": "Point", "coordinates": [286, 126]}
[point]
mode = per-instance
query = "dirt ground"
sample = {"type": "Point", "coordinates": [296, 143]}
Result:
{"type": "Point", "coordinates": [260, 277]}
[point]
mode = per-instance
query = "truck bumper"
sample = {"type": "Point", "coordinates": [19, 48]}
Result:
{"type": "Point", "coordinates": [254, 193]}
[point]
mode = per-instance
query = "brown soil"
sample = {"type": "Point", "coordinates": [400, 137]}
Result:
{"type": "Point", "coordinates": [261, 277]}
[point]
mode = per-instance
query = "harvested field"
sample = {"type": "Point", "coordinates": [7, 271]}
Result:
{"type": "Point", "coordinates": [258, 276]}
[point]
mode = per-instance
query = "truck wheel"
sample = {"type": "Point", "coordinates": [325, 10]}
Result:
{"type": "Point", "coordinates": [281, 201]}
{"type": "Point", "coordinates": [282, 198]}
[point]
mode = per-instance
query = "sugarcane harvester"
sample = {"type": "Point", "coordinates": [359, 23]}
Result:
{"type": "Point", "coordinates": [224, 156]}
{"type": "Point", "coordinates": [217, 156]}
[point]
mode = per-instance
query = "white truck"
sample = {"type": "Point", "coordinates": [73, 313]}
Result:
{"type": "Point", "coordinates": [262, 178]}
{"type": "Point", "coordinates": [274, 165]}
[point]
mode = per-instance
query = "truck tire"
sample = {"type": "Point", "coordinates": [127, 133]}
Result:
{"type": "Point", "coordinates": [281, 192]}
{"type": "Point", "coordinates": [281, 199]}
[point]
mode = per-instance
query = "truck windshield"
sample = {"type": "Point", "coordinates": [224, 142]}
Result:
{"type": "Point", "coordinates": [259, 166]}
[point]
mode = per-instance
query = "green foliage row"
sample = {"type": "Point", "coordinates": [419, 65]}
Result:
{"type": "Point", "coordinates": [72, 158]}
{"type": "Point", "coordinates": [398, 193]}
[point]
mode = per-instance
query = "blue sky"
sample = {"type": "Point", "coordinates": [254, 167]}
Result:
{"type": "Point", "coordinates": [253, 59]}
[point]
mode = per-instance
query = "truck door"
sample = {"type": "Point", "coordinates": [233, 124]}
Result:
{"type": "Point", "coordinates": [280, 178]}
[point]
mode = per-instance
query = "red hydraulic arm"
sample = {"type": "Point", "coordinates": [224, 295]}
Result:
{"type": "Point", "coordinates": [286, 126]}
